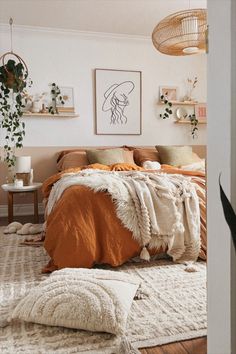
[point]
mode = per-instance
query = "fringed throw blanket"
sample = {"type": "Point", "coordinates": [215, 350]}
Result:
{"type": "Point", "coordinates": [159, 209]}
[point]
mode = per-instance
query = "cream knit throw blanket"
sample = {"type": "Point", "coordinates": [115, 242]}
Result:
{"type": "Point", "coordinates": [159, 209]}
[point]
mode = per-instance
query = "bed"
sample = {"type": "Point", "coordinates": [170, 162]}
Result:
{"type": "Point", "coordinates": [83, 229]}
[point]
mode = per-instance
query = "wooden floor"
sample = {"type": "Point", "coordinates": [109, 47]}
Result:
{"type": "Point", "coordinates": [23, 219]}
{"type": "Point", "coordinates": [194, 346]}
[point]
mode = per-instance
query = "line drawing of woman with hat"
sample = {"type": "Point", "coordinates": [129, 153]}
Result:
{"type": "Point", "coordinates": [116, 100]}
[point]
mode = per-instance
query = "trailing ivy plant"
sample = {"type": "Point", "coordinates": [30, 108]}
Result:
{"type": "Point", "coordinates": [194, 125]}
{"type": "Point", "coordinates": [13, 80]}
{"type": "Point", "coordinates": [56, 95]}
{"type": "Point", "coordinates": [168, 111]}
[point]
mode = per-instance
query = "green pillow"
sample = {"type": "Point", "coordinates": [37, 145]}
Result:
{"type": "Point", "coordinates": [105, 157]}
{"type": "Point", "coordinates": [177, 155]}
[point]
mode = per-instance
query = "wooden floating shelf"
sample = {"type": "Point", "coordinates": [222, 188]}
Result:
{"type": "Point", "coordinates": [183, 121]}
{"type": "Point", "coordinates": [48, 115]}
{"type": "Point", "coordinates": [179, 103]}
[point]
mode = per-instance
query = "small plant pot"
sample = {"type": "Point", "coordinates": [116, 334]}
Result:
{"type": "Point", "coordinates": [37, 106]}
{"type": "Point", "coordinates": [10, 80]}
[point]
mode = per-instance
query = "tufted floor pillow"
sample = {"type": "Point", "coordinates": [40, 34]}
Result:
{"type": "Point", "coordinates": [88, 299]}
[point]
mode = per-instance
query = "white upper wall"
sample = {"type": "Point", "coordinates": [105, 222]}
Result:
{"type": "Point", "coordinates": [69, 59]}
{"type": "Point", "coordinates": [136, 17]}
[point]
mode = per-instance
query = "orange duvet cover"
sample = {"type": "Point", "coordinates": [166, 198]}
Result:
{"type": "Point", "coordinates": [83, 229]}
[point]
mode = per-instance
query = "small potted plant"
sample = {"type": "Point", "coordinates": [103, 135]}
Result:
{"type": "Point", "coordinates": [56, 96]}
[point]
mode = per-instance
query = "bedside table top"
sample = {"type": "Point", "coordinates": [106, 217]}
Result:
{"type": "Point", "coordinates": [10, 187]}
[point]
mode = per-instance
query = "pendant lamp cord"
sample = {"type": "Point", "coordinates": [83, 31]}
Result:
{"type": "Point", "coordinates": [10, 23]}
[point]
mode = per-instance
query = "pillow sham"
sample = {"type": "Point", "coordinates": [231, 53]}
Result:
{"type": "Point", "coordinates": [105, 157]}
{"type": "Point", "coordinates": [128, 157]}
{"type": "Point", "coordinates": [65, 152]}
{"type": "Point", "coordinates": [177, 155]}
{"type": "Point", "coordinates": [142, 155]}
{"type": "Point", "coordinates": [72, 160]}
{"type": "Point", "coordinates": [90, 299]}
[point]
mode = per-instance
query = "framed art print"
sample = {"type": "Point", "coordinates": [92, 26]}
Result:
{"type": "Point", "coordinates": [118, 96]}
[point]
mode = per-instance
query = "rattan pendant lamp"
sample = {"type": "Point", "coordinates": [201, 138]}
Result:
{"type": "Point", "coordinates": [182, 33]}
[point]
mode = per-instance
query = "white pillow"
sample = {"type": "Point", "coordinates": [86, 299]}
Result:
{"type": "Point", "coordinates": [151, 165]}
{"type": "Point", "coordinates": [196, 166]}
{"type": "Point", "coordinates": [89, 299]}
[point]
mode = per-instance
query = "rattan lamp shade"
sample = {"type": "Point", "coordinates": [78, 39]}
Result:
{"type": "Point", "coordinates": [182, 33]}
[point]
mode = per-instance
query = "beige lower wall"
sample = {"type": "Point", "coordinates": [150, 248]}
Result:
{"type": "Point", "coordinates": [44, 165]}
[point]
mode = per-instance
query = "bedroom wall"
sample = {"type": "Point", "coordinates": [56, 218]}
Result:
{"type": "Point", "coordinates": [69, 59]}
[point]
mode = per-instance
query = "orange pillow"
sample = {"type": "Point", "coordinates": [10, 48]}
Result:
{"type": "Point", "coordinates": [142, 155]}
{"type": "Point", "coordinates": [72, 160]}
{"type": "Point", "coordinates": [65, 152]}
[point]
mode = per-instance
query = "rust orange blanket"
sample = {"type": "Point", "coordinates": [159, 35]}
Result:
{"type": "Point", "coordinates": [83, 229]}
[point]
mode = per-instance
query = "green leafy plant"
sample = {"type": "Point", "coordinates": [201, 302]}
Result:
{"type": "Point", "coordinates": [56, 96]}
{"type": "Point", "coordinates": [168, 111]}
{"type": "Point", "coordinates": [194, 125]}
{"type": "Point", "coordinates": [13, 76]}
{"type": "Point", "coordinates": [13, 80]}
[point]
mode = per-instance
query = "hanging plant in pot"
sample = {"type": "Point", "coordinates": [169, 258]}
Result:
{"type": "Point", "coordinates": [13, 81]}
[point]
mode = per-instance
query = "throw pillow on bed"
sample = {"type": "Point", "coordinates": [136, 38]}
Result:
{"type": "Point", "coordinates": [129, 157]}
{"type": "Point", "coordinates": [89, 299]}
{"type": "Point", "coordinates": [72, 159]}
{"type": "Point", "coordinates": [177, 155]}
{"type": "Point", "coordinates": [105, 157]}
{"type": "Point", "coordinates": [142, 155]}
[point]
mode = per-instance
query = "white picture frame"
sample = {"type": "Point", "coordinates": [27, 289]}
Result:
{"type": "Point", "coordinates": [118, 102]}
{"type": "Point", "coordinates": [67, 94]}
{"type": "Point", "coordinates": [169, 92]}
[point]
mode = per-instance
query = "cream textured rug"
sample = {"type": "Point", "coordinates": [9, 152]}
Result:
{"type": "Point", "coordinates": [175, 308]}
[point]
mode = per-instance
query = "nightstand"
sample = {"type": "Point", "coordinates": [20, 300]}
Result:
{"type": "Point", "coordinates": [11, 189]}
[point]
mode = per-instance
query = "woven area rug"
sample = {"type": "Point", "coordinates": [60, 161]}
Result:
{"type": "Point", "coordinates": [174, 310]}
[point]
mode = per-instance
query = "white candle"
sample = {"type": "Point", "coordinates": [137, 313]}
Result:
{"type": "Point", "coordinates": [18, 183]}
{"type": "Point", "coordinates": [23, 164]}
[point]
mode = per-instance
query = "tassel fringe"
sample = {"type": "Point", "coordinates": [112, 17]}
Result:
{"type": "Point", "coordinates": [141, 293]}
{"type": "Point", "coordinates": [145, 254]}
{"type": "Point", "coordinates": [190, 268]}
